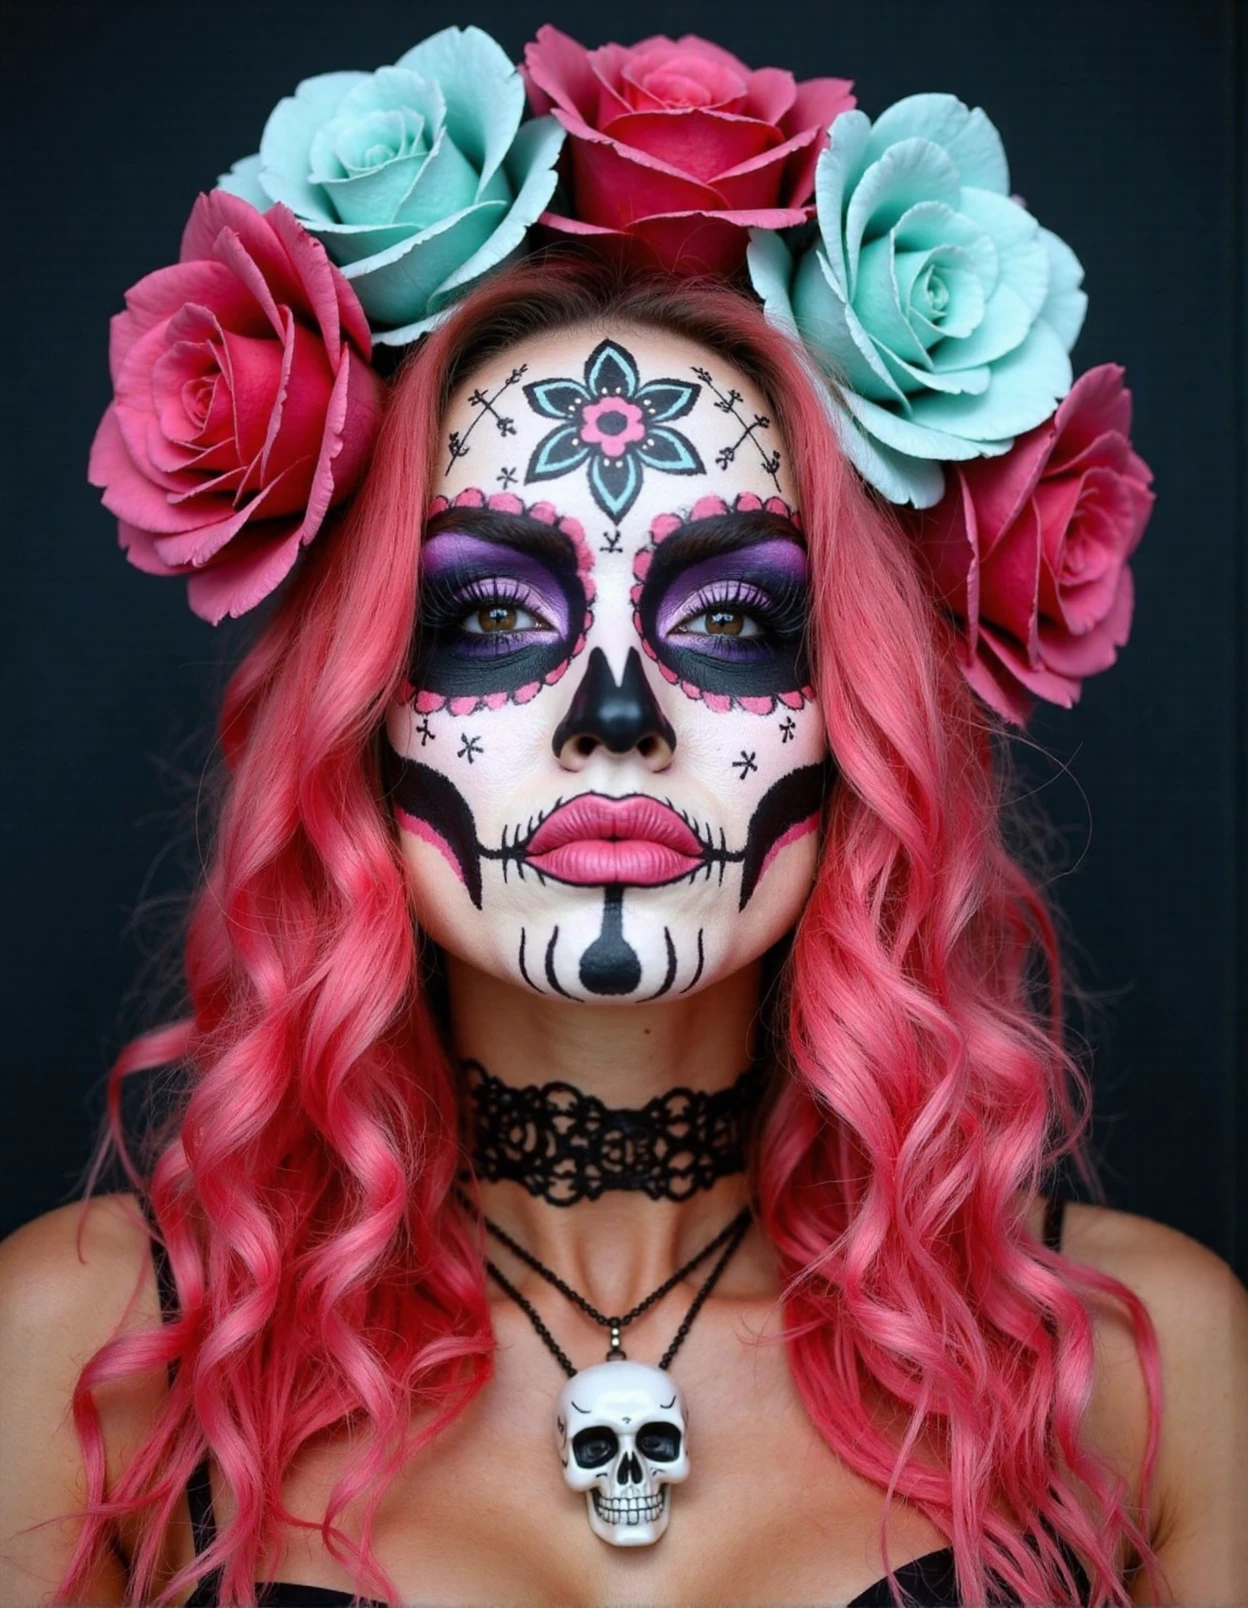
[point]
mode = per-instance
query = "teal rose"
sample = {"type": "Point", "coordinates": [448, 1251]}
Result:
{"type": "Point", "coordinates": [936, 303]}
{"type": "Point", "coordinates": [417, 178]}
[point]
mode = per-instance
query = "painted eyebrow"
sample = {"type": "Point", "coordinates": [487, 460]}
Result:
{"type": "Point", "coordinates": [723, 533]}
{"type": "Point", "coordinates": [505, 530]}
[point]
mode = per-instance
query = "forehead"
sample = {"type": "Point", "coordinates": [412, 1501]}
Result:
{"type": "Point", "coordinates": [492, 428]}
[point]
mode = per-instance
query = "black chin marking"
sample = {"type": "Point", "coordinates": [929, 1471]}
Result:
{"type": "Point", "coordinates": [698, 970]}
{"type": "Point", "coordinates": [428, 796]}
{"type": "Point", "coordinates": [610, 964]}
{"type": "Point", "coordinates": [523, 968]}
{"type": "Point", "coordinates": [670, 978]}
{"type": "Point", "coordinates": [790, 800]}
{"type": "Point", "coordinates": [550, 966]}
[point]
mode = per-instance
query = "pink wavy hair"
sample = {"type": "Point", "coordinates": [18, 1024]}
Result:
{"type": "Point", "coordinates": [302, 1188]}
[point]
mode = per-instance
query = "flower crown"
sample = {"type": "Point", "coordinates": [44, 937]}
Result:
{"type": "Point", "coordinates": [940, 313]}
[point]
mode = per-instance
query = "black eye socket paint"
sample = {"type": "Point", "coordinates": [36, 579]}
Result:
{"type": "Point", "coordinates": [722, 606]}
{"type": "Point", "coordinates": [505, 601]}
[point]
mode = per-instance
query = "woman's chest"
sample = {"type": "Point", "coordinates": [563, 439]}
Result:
{"type": "Point", "coordinates": [485, 1513]}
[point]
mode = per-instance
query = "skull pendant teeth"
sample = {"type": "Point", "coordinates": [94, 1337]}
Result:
{"type": "Point", "coordinates": [621, 1432]}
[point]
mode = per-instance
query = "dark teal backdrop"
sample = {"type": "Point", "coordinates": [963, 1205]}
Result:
{"type": "Point", "coordinates": [1122, 119]}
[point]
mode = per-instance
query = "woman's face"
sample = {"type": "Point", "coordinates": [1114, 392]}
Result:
{"type": "Point", "coordinates": [608, 765]}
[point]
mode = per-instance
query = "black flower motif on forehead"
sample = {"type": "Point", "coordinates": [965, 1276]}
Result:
{"type": "Point", "coordinates": [616, 424]}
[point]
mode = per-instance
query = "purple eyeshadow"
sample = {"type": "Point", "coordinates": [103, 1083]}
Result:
{"type": "Point", "coordinates": [756, 575]}
{"type": "Point", "coordinates": [453, 561]}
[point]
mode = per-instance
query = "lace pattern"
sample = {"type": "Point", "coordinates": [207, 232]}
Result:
{"type": "Point", "coordinates": [565, 1145]}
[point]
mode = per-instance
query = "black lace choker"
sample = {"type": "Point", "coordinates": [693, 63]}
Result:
{"type": "Point", "coordinates": [564, 1145]}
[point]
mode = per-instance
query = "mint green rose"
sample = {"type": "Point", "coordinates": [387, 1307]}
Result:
{"type": "Point", "coordinates": [941, 310]}
{"type": "Point", "coordinates": [417, 178]}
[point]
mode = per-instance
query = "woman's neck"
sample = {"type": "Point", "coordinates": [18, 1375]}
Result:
{"type": "Point", "coordinates": [615, 1249]}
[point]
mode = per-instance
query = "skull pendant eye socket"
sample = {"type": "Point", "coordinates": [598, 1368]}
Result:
{"type": "Point", "coordinates": [595, 1446]}
{"type": "Point", "coordinates": [659, 1442]}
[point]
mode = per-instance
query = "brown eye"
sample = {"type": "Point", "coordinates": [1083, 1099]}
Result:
{"type": "Point", "coordinates": [721, 619]}
{"type": "Point", "coordinates": [501, 618]}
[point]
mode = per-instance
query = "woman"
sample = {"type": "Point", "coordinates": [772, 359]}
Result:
{"type": "Point", "coordinates": [609, 964]}
{"type": "Point", "coordinates": [668, 796]}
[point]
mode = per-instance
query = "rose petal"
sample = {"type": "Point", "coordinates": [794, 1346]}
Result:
{"type": "Point", "coordinates": [699, 143]}
{"type": "Point", "coordinates": [682, 242]}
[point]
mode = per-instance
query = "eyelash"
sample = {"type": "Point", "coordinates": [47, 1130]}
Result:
{"type": "Point", "coordinates": [446, 607]}
{"type": "Point", "coordinates": [776, 617]}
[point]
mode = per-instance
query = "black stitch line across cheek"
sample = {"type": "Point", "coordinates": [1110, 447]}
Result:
{"type": "Point", "coordinates": [725, 695]}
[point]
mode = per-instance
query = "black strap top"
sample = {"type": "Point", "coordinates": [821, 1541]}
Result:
{"type": "Point", "coordinates": [930, 1580]}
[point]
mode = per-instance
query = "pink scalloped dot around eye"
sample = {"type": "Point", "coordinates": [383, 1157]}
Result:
{"type": "Point", "coordinates": [439, 505]}
{"type": "Point", "coordinates": [797, 700]}
{"type": "Point", "coordinates": [747, 503]}
{"type": "Point", "coordinates": [506, 502]}
{"type": "Point", "coordinates": [404, 692]}
{"type": "Point", "coordinates": [662, 526]}
{"type": "Point", "coordinates": [427, 702]}
{"type": "Point", "coordinates": [557, 674]}
{"type": "Point", "coordinates": [708, 507]}
{"type": "Point", "coordinates": [522, 695]}
{"type": "Point", "coordinates": [545, 512]}
{"type": "Point", "coordinates": [668, 674]}
{"type": "Point", "coordinates": [641, 564]}
{"type": "Point", "coordinates": [720, 702]}
{"type": "Point", "coordinates": [777, 505]}
{"type": "Point", "coordinates": [465, 705]}
{"type": "Point", "coordinates": [758, 706]}
{"type": "Point", "coordinates": [470, 497]}
{"type": "Point", "coordinates": [646, 648]}
{"type": "Point", "coordinates": [495, 700]}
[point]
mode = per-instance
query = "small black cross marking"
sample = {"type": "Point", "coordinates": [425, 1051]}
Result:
{"type": "Point", "coordinates": [423, 732]}
{"type": "Point", "coordinates": [787, 727]}
{"type": "Point", "coordinates": [746, 764]}
{"type": "Point", "coordinates": [506, 477]}
{"type": "Point", "coordinates": [469, 747]}
{"type": "Point", "coordinates": [611, 541]}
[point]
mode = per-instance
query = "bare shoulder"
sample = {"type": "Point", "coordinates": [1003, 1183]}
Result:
{"type": "Point", "coordinates": [1199, 1308]}
{"type": "Point", "coordinates": [69, 1281]}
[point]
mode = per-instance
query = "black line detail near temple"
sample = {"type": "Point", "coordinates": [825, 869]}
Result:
{"type": "Point", "coordinates": [610, 964]}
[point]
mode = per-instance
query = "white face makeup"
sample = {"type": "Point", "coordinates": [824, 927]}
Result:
{"type": "Point", "coordinates": [607, 768]}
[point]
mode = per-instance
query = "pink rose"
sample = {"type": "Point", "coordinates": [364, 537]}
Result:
{"type": "Point", "coordinates": [677, 148]}
{"type": "Point", "coordinates": [1031, 549]}
{"type": "Point", "coordinates": [243, 405]}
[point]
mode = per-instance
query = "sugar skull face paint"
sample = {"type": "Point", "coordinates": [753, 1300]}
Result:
{"type": "Point", "coordinates": [607, 767]}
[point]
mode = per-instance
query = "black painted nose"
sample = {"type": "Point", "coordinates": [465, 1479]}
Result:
{"type": "Point", "coordinates": [620, 715]}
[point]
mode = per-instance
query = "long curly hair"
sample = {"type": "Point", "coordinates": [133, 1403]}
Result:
{"type": "Point", "coordinates": [922, 1089]}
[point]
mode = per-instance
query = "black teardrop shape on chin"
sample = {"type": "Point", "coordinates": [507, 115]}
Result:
{"type": "Point", "coordinates": [619, 714]}
{"type": "Point", "coordinates": [610, 964]}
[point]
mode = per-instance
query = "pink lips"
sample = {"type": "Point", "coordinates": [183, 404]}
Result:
{"type": "Point", "coordinates": [596, 839]}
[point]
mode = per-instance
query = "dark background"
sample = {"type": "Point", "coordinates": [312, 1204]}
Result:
{"type": "Point", "coordinates": [1122, 120]}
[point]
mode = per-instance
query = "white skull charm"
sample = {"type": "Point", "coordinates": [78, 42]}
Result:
{"type": "Point", "coordinates": [620, 1431]}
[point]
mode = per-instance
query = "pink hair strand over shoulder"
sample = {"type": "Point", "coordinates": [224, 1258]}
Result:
{"type": "Point", "coordinates": [303, 1189]}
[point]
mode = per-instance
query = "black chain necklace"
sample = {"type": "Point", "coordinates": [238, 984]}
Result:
{"type": "Point", "coordinates": [620, 1426]}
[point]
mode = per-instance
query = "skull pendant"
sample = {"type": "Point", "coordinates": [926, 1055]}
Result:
{"type": "Point", "coordinates": [620, 1430]}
